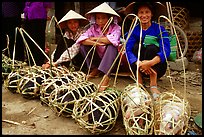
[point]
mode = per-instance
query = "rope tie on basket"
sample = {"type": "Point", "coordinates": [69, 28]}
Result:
{"type": "Point", "coordinates": [124, 44]}
{"type": "Point", "coordinates": [26, 44]}
{"type": "Point", "coordinates": [162, 16]}
{"type": "Point", "coordinates": [7, 46]}
{"type": "Point", "coordinates": [49, 32]}
{"type": "Point", "coordinates": [133, 24]}
{"type": "Point", "coordinates": [123, 47]}
{"type": "Point", "coordinates": [170, 14]}
{"type": "Point", "coordinates": [94, 46]}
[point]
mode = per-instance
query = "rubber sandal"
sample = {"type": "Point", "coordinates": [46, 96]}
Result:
{"type": "Point", "coordinates": [155, 95]}
{"type": "Point", "coordinates": [102, 88]}
{"type": "Point", "coordinates": [104, 84]}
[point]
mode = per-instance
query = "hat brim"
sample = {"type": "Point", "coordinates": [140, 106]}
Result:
{"type": "Point", "coordinates": [72, 15]}
{"type": "Point", "coordinates": [159, 9]}
{"type": "Point", "coordinates": [103, 8]}
{"type": "Point", "coordinates": [82, 22]}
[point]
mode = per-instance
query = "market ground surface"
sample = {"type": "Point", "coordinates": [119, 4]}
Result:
{"type": "Point", "coordinates": [21, 116]}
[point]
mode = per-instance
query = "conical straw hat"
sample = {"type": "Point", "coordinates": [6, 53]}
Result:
{"type": "Point", "coordinates": [103, 8]}
{"type": "Point", "coordinates": [72, 15]}
{"type": "Point", "coordinates": [159, 8]}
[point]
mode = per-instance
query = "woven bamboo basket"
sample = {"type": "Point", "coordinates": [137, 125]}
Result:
{"type": "Point", "coordinates": [13, 79]}
{"type": "Point", "coordinates": [52, 83]}
{"type": "Point", "coordinates": [172, 114]}
{"type": "Point", "coordinates": [63, 98]}
{"type": "Point", "coordinates": [78, 75]}
{"type": "Point", "coordinates": [6, 67]}
{"type": "Point", "coordinates": [97, 112]}
{"type": "Point", "coordinates": [172, 110]}
{"type": "Point", "coordinates": [57, 71]}
{"type": "Point", "coordinates": [180, 17]}
{"type": "Point", "coordinates": [8, 64]}
{"type": "Point", "coordinates": [137, 110]}
{"type": "Point", "coordinates": [194, 42]}
{"type": "Point", "coordinates": [29, 85]}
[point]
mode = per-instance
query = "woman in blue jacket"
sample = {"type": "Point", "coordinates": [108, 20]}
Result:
{"type": "Point", "coordinates": [152, 62]}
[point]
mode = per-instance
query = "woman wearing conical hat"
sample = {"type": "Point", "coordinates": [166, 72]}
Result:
{"type": "Point", "coordinates": [152, 62]}
{"type": "Point", "coordinates": [106, 45]}
{"type": "Point", "coordinates": [73, 24]}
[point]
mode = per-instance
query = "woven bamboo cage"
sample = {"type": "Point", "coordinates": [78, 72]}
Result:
{"type": "Point", "coordinates": [52, 83]}
{"type": "Point", "coordinates": [78, 75]}
{"type": "Point", "coordinates": [13, 79]}
{"type": "Point", "coordinates": [97, 112]}
{"type": "Point", "coordinates": [172, 110]}
{"type": "Point", "coordinates": [62, 99]}
{"type": "Point", "coordinates": [60, 70]}
{"type": "Point", "coordinates": [6, 66]}
{"type": "Point", "coordinates": [137, 110]}
{"type": "Point", "coordinates": [180, 17]}
{"type": "Point", "coordinates": [172, 114]}
{"type": "Point", "coordinates": [29, 85]}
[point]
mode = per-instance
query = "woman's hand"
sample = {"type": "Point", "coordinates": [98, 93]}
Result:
{"type": "Point", "coordinates": [145, 64]}
{"type": "Point", "coordinates": [92, 41]}
{"type": "Point", "coordinates": [145, 67]}
{"type": "Point", "coordinates": [47, 65]}
{"type": "Point", "coordinates": [102, 41]}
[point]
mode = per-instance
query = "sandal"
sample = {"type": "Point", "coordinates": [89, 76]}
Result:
{"type": "Point", "coordinates": [155, 94]}
{"type": "Point", "coordinates": [102, 88]}
{"type": "Point", "coordinates": [104, 84]}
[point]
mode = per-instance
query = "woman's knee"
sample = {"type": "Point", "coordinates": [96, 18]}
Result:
{"type": "Point", "coordinates": [152, 49]}
{"type": "Point", "coordinates": [111, 50]}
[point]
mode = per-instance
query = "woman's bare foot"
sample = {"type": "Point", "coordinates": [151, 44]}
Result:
{"type": "Point", "coordinates": [94, 73]}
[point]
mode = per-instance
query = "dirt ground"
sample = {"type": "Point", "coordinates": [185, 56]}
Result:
{"type": "Point", "coordinates": [33, 118]}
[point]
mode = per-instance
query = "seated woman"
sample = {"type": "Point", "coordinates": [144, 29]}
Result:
{"type": "Point", "coordinates": [106, 43]}
{"type": "Point", "coordinates": [152, 62]}
{"type": "Point", "coordinates": [73, 24]}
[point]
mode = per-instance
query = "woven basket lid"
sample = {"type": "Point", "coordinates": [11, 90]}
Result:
{"type": "Point", "coordinates": [102, 8]}
{"type": "Point", "coordinates": [159, 8]}
{"type": "Point", "coordinates": [72, 15]}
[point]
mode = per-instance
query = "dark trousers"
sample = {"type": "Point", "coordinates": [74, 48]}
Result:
{"type": "Point", "coordinates": [149, 53]}
{"type": "Point", "coordinates": [103, 64]}
{"type": "Point", "coordinates": [36, 30]}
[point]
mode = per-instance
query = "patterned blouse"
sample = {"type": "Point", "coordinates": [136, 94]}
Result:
{"type": "Point", "coordinates": [73, 50]}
